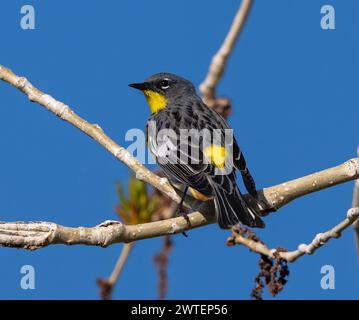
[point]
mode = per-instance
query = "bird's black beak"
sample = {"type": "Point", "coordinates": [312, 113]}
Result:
{"type": "Point", "coordinates": [139, 86]}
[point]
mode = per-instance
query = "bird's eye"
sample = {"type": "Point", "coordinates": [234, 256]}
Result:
{"type": "Point", "coordinates": [164, 84]}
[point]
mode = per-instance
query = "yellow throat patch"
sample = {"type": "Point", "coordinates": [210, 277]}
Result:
{"type": "Point", "coordinates": [216, 155]}
{"type": "Point", "coordinates": [155, 100]}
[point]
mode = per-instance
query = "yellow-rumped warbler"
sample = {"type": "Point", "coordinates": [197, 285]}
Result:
{"type": "Point", "coordinates": [199, 163]}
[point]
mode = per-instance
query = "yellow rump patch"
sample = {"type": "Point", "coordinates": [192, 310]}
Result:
{"type": "Point", "coordinates": [155, 100]}
{"type": "Point", "coordinates": [216, 155]}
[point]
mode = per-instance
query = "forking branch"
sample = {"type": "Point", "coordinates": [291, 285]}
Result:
{"type": "Point", "coordinates": [290, 256]}
{"type": "Point", "coordinates": [40, 234]}
{"type": "Point", "coordinates": [107, 285]}
{"type": "Point", "coordinates": [65, 113]}
{"type": "Point", "coordinates": [28, 235]}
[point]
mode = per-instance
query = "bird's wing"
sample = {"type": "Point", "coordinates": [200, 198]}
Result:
{"type": "Point", "coordinates": [180, 158]}
{"type": "Point", "coordinates": [239, 161]}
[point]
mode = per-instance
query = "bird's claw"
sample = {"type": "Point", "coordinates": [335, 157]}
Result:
{"type": "Point", "coordinates": [186, 217]}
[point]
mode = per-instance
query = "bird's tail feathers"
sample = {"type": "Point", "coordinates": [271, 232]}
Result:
{"type": "Point", "coordinates": [231, 209]}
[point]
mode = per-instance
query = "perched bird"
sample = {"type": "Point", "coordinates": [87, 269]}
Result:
{"type": "Point", "coordinates": [196, 162]}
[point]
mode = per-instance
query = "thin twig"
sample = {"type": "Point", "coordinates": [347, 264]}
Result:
{"type": "Point", "coordinates": [125, 252]}
{"type": "Point", "coordinates": [219, 60]}
{"type": "Point", "coordinates": [107, 285]}
{"type": "Point", "coordinates": [319, 240]}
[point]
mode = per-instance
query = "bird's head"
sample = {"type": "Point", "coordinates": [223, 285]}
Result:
{"type": "Point", "coordinates": [163, 88]}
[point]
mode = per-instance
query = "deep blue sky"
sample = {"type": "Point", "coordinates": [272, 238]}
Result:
{"type": "Point", "coordinates": [294, 88]}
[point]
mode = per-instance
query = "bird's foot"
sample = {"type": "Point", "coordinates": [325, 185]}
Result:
{"type": "Point", "coordinates": [186, 217]}
{"type": "Point", "coordinates": [261, 205]}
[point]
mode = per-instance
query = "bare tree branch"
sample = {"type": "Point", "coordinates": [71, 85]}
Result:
{"type": "Point", "coordinates": [126, 250]}
{"type": "Point", "coordinates": [273, 197]}
{"type": "Point", "coordinates": [279, 195]}
{"type": "Point", "coordinates": [356, 204]}
{"type": "Point", "coordinates": [40, 234]}
{"type": "Point", "coordinates": [34, 235]}
{"type": "Point", "coordinates": [64, 112]}
{"type": "Point", "coordinates": [107, 285]}
{"type": "Point", "coordinates": [219, 60]}
{"type": "Point", "coordinates": [319, 240]}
